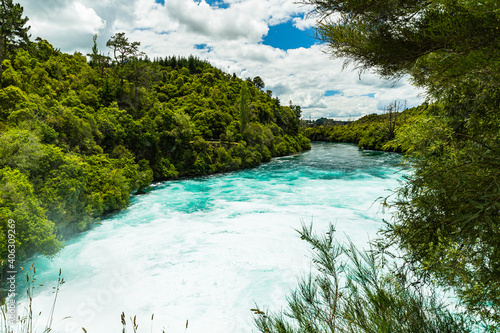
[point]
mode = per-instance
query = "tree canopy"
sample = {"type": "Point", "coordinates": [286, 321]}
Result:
{"type": "Point", "coordinates": [123, 50]}
{"type": "Point", "coordinates": [77, 138]}
{"type": "Point", "coordinates": [439, 42]}
{"type": "Point", "coordinates": [13, 29]}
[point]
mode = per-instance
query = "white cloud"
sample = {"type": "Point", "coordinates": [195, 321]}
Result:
{"type": "Point", "coordinates": [64, 23]}
{"type": "Point", "coordinates": [304, 23]}
{"type": "Point", "coordinates": [234, 35]}
{"type": "Point", "coordinates": [228, 24]}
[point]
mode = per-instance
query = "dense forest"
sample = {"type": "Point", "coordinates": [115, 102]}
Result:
{"type": "Point", "coordinates": [80, 134]}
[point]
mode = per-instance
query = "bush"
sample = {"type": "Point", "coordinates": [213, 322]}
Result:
{"type": "Point", "coordinates": [355, 291]}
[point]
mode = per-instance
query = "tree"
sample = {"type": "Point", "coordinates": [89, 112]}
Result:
{"type": "Point", "coordinates": [437, 42]}
{"type": "Point", "coordinates": [392, 112]}
{"type": "Point", "coordinates": [97, 59]}
{"type": "Point", "coordinates": [244, 109]}
{"type": "Point", "coordinates": [258, 83]}
{"type": "Point", "coordinates": [13, 30]}
{"type": "Point", "coordinates": [18, 202]}
{"type": "Point", "coordinates": [296, 110]}
{"type": "Point", "coordinates": [447, 217]}
{"type": "Point", "coordinates": [123, 50]}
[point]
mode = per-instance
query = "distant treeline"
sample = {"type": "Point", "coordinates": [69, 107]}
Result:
{"type": "Point", "coordinates": [374, 131]}
{"type": "Point", "coordinates": [324, 122]}
{"type": "Point", "coordinates": [193, 63]}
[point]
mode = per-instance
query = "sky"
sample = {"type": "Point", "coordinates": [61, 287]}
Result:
{"type": "Point", "coordinates": [273, 39]}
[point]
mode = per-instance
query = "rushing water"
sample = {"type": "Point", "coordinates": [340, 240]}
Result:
{"type": "Point", "coordinates": [208, 249]}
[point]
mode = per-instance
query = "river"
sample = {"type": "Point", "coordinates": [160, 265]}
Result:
{"type": "Point", "coordinates": [204, 251]}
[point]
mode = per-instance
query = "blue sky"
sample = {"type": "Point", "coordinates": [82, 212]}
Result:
{"type": "Point", "coordinates": [273, 39]}
{"type": "Point", "coordinates": [286, 36]}
{"type": "Point", "coordinates": [217, 3]}
{"type": "Point", "coordinates": [333, 93]}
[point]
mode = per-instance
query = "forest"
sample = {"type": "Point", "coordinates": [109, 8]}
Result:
{"type": "Point", "coordinates": [80, 134]}
{"type": "Point", "coordinates": [372, 132]}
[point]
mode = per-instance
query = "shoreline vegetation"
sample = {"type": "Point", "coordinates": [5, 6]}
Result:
{"type": "Point", "coordinates": [370, 132]}
{"type": "Point", "coordinates": [78, 137]}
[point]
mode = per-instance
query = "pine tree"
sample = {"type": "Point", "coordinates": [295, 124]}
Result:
{"type": "Point", "coordinates": [13, 29]}
{"type": "Point", "coordinates": [97, 59]}
{"type": "Point", "coordinates": [123, 50]}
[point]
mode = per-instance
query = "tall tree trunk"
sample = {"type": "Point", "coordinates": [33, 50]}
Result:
{"type": "Point", "coordinates": [2, 37]}
{"type": "Point", "coordinates": [1, 57]}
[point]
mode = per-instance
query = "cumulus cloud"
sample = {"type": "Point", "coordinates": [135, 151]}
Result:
{"type": "Point", "coordinates": [66, 22]}
{"type": "Point", "coordinates": [228, 24]}
{"type": "Point", "coordinates": [304, 23]}
{"type": "Point", "coordinates": [74, 17]}
{"type": "Point", "coordinates": [233, 31]}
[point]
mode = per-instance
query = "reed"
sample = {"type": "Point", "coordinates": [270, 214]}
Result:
{"type": "Point", "coordinates": [26, 322]}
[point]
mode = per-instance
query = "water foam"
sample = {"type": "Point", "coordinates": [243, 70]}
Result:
{"type": "Point", "coordinates": [207, 249]}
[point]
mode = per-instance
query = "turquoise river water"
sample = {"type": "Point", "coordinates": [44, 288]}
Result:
{"type": "Point", "coordinates": [206, 250]}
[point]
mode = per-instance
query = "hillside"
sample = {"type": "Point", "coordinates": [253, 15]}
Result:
{"type": "Point", "coordinates": [78, 138]}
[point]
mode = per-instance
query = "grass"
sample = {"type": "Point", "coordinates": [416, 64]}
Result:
{"type": "Point", "coordinates": [27, 322]}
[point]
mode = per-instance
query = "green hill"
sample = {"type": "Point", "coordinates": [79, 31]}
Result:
{"type": "Point", "coordinates": [78, 138]}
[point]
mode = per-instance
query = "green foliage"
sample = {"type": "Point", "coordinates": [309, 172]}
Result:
{"type": "Point", "coordinates": [244, 112]}
{"type": "Point", "coordinates": [439, 43]}
{"type": "Point", "coordinates": [350, 290]}
{"type": "Point", "coordinates": [18, 202]}
{"type": "Point", "coordinates": [447, 215]}
{"type": "Point", "coordinates": [373, 131]}
{"type": "Point", "coordinates": [123, 50]}
{"type": "Point", "coordinates": [13, 32]}
{"type": "Point", "coordinates": [97, 59]}
{"type": "Point", "coordinates": [82, 137]}
{"type": "Point", "coordinates": [60, 182]}
{"type": "Point", "coordinates": [19, 149]}
{"type": "Point", "coordinates": [447, 212]}
{"type": "Point", "coordinates": [258, 83]}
